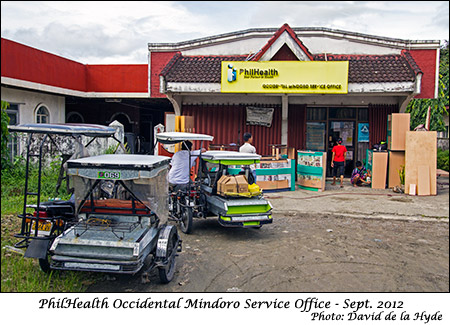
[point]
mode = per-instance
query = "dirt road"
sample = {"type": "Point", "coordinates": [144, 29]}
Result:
{"type": "Point", "coordinates": [306, 253]}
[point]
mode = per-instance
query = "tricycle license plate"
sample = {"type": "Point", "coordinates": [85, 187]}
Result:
{"type": "Point", "coordinates": [44, 228]}
{"type": "Point", "coordinates": [108, 174]}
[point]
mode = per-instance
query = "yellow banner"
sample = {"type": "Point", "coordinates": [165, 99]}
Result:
{"type": "Point", "coordinates": [305, 77]}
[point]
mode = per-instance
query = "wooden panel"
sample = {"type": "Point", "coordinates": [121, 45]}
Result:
{"type": "Point", "coordinates": [396, 160]}
{"type": "Point", "coordinates": [379, 169]}
{"type": "Point", "coordinates": [412, 189]}
{"type": "Point", "coordinates": [421, 150]}
{"type": "Point", "coordinates": [399, 125]}
{"type": "Point", "coordinates": [423, 180]}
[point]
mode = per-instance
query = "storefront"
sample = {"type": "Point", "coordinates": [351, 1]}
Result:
{"type": "Point", "coordinates": [310, 86]}
{"type": "Point", "coordinates": [359, 80]}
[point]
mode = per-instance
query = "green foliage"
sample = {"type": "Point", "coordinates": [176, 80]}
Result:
{"type": "Point", "coordinates": [13, 179]}
{"type": "Point", "coordinates": [113, 148]}
{"type": "Point", "coordinates": [401, 174]}
{"type": "Point", "coordinates": [4, 136]}
{"type": "Point", "coordinates": [418, 107]}
{"type": "Point", "coordinates": [442, 159]}
{"type": "Point", "coordinates": [21, 274]}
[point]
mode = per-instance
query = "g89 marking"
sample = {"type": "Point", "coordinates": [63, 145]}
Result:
{"type": "Point", "coordinates": [108, 175]}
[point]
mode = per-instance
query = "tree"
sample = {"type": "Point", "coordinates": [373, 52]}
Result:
{"type": "Point", "coordinates": [418, 107]}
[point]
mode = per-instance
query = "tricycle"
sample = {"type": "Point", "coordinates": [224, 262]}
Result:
{"type": "Point", "coordinates": [204, 198]}
{"type": "Point", "coordinates": [116, 219]}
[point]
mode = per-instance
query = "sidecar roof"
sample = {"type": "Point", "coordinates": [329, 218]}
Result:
{"type": "Point", "coordinates": [176, 137]}
{"type": "Point", "coordinates": [94, 130]}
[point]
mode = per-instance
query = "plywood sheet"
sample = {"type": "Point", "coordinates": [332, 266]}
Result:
{"type": "Point", "coordinates": [423, 180]}
{"type": "Point", "coordinates": [379, 169]}
{"type": "Point", "coordinates": [421, 150]}
{"type": "Point", "coordinates": [400, 124]}
{"type": "Point", "coordinates": [412, 189]}
{"type": "Point", "coordinates": [396, 160]}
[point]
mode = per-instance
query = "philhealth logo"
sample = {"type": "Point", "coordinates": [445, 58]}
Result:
{"type": "Point", "coordinates": [231, 76]}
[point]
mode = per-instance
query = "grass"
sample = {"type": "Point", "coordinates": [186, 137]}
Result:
{"type": "Point", "coordinates": [21, 274]}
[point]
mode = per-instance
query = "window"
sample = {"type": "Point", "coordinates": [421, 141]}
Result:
{"type": "Point", "coordinates": [363, 114]}
{"type": "Point", "coordinates": [315, 136]}
{"type": "Point", "coordinates": [316, 114]}
{"type": "Point", "coordinates": [13, 144]}
{"type": "Point", "coordinates": [342, 113]}
{"type": "Point", "coordinates": [74, 117]}
{"type": "Point", "coordinates": [42, 115]}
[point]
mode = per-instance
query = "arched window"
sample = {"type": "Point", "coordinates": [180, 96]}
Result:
{"type": "Point", "coordinates": [74, 117]}
{"type": "Point", "coordinates": [125, 120]}
{"type": "Point", "coordinates": [42, 115]}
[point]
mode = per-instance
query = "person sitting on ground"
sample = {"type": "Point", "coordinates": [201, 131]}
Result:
{"type": "Point", "coordinates": [179, 171]}
{"type": "Point", "coordinates": [359, 175]}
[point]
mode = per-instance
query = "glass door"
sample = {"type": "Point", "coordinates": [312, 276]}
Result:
{"type": "Point", "coordinates": [345, 130]}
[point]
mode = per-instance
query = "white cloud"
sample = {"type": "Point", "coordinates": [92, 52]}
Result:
{"type": "Point", "coordinates": [118, 32]}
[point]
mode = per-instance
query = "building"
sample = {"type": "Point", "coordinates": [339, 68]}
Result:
{"type": "Point", "coordinates": [380, 75]}
{"type": "Point", "coordinates": [383, 76]}
{"type": "Point", "coordinates": [43, 87]}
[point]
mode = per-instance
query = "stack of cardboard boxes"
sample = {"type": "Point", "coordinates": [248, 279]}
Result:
{"type": "Point", "coordinates": [232, 184]}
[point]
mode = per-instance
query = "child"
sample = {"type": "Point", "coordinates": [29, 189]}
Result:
{"type": "Point", "coordinates": [359, 175]}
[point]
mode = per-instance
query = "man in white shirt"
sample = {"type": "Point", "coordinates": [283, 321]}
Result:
{"type": "Point", "coordinates": [247, 147]}
{"type": "Point", "coordinates": [180, 172]}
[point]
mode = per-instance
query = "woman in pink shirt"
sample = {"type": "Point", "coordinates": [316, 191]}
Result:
{"type": "Point", "coordinates": [338, 161]}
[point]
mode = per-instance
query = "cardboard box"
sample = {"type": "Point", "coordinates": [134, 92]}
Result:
{"type": "Point", "coordinates": [379, 169]}
{"type": "Point", "coordinates": [241, 183]}
{"type": "Point", "coordinates": [226, 184]}
{"type": "Point", "coordinates": [396, 160]}
{"type": "Point", "coordinates": [398, 125]}
{"type": "Point", "coordinates": [232, 184]}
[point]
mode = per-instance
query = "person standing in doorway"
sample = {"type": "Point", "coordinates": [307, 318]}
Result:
{"type": "Point", "coordinates": [247, 147]}
{"type": "Point", "coordinates": [339, 154]}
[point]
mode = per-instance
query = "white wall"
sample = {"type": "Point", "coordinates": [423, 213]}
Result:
{"type": "Point", "coordinates": [316, 44]}
{"type": "Point", "coordinates": [29, 101]}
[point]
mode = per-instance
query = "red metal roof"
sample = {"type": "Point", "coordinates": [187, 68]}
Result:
{"type": "Point", "coordinates": [25, 63]}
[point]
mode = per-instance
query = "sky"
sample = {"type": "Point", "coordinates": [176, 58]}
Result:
{"type": "Point", "coordinates": [118, 32]}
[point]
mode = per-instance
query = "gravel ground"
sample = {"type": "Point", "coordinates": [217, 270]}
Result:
{"type": "Point", "coordinates": [340, 240]}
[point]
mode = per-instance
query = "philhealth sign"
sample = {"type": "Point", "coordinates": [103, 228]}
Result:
{"type": "Point", "coordinates": [311, 77]}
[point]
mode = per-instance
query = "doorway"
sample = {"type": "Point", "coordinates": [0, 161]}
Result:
{"type": "Point", "coordinates": [324, 125]}
{"type": "Point", "coordinates": [344, 130]}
